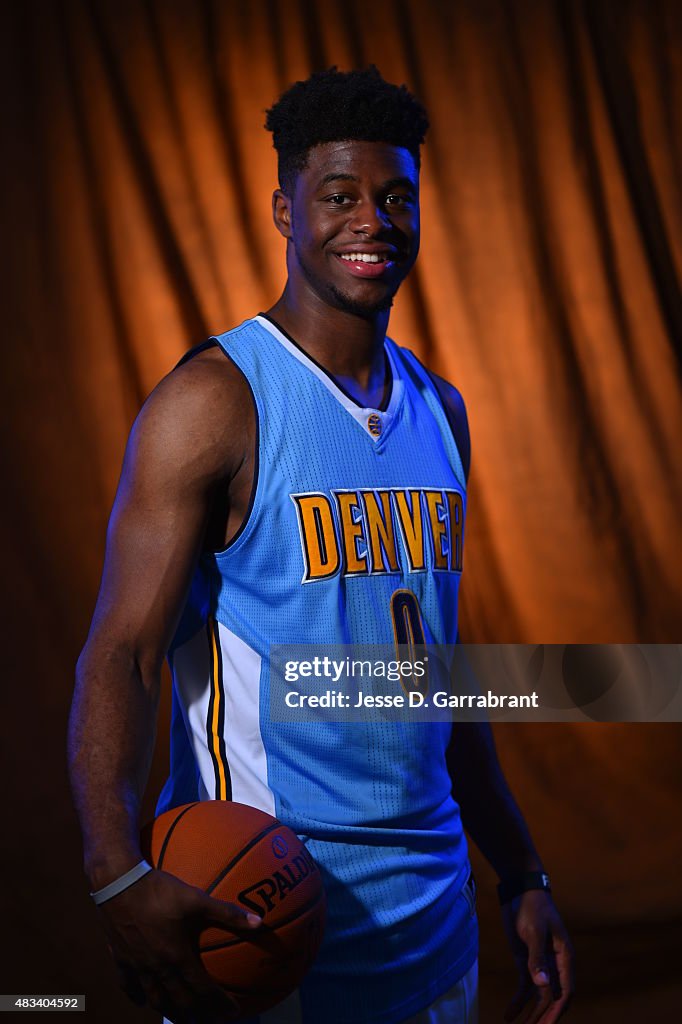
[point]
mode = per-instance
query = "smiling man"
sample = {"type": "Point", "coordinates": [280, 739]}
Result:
{"type": "Point", "coordinates": [302, 479]}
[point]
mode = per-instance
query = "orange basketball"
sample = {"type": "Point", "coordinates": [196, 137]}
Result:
{"type": "Point", "coordinates": [247, 857]}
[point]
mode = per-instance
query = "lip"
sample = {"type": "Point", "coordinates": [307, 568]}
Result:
{"type": "Point", "coordinates": [367, 270]}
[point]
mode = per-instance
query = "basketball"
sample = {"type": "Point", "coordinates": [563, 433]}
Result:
{"type": "Point", "coordinates": [245, 856]}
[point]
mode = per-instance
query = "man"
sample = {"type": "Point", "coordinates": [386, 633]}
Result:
{"type": "Point", "coordinates": [302, 479]}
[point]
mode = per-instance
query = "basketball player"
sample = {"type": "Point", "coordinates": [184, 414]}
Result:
{"type": "Point", "coordinates": [302, 479]}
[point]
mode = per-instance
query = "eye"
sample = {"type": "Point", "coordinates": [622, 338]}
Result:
{"type": "Point", "coordinates": [339, 199]}
{"type": "Point", "coordinates": [395, 200]}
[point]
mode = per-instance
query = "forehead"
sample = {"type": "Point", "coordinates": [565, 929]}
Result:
{"type": "Point", "coordinates": [366, 161]}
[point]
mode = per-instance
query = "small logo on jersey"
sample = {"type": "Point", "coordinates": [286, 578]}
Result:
{"type": "Point", "coordinates": [279, 847]}
{"type": "Point", "coordinates": [374, 425]}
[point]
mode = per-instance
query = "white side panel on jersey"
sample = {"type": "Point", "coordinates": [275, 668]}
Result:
{"type": "Point", "coordinates": [192, 677]}
{"type": "Point", "coordinates": [243, 739]}
{"type": "Point", "coordinates": [246, 759]}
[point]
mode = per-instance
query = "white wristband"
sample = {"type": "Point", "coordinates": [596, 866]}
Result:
{"type": "Point", "coordinates": [121, 884]}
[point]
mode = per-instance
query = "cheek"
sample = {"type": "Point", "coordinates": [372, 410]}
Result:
{"type": "Point", "coordinates": [415, 234]}
{"type": "Point", "coordinates": [315, 234]}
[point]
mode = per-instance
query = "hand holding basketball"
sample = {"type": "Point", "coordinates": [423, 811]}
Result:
{"type": "Point", "coordinates": [253, 862]}
{"type": "Point", "coordinates": [195, 956]}
{"type": "Point", "coordinates": [153, 931]}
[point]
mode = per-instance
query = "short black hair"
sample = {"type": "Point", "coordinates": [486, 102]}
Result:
{"type": "Point", "coordinates": [334, 105]}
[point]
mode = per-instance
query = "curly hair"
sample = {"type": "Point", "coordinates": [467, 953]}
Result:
{"type": "Point", "coordinates": [334, 105]}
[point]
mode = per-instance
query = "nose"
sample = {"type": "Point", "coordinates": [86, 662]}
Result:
{"type": "Point", "coordinates": [368, 218]}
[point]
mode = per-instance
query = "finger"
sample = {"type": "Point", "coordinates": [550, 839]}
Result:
{"type": "Point", "coordinates": [543, 1000]}
{"type": "Point", "coordinates": [179, 999]}
{"type": "Point", "coordinates": [227, 915]}
{"type": "Point", "coordinates": [523, 993]}
{"type": "Point", "coordinates": [524, 1014]}
{"type": "Point", "coordinates": [163, 994]}
{"type": "Point", "coordinates": [556, 1010]}
{"type": "Point", "coordinates": [564, 968]}
{"type": "Point", "coordinates": [538, 960]}
{"type": "Point", "coordinates": [130, 984]}
{"type": "Point", "coordinates": [564, 959]}
{"type": "Point", "coordinates": [155, 995]}
{"type": "Point", "coordinates": [209, 996]}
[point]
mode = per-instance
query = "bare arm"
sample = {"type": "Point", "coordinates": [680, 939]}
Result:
{"type": "Point", "coordinates": [457, 417]}
{"type": "Point", "coordinates": [191, 436]}
{"type": "Point", "coordinates": [489, 812]}
{"type": "Point", "coordinates": [536, 934]}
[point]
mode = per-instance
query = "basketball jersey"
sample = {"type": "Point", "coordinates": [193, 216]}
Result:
{"type": "Point", "coordinates": [349, 506]}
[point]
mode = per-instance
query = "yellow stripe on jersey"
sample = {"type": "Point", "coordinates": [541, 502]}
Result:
{"type": "Point", "coordinates": [216, 704]}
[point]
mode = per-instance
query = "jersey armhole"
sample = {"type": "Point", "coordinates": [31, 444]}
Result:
{"type": "Point", "coordinates": [190, 354]}
{"type": "Point", "coordinates": [452, 423]}
{"type": "Point", "coordinates": [256, 484]}
{"type": "Point", "coordinates": [433, 383]}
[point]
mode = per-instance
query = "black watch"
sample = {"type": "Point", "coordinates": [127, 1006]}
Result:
{"type": "Point", "coordinates": [511, 887]}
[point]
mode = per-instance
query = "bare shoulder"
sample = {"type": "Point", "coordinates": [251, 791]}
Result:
{"type": "Point", "coordinates": [198, 420]}
{"type": "Point", "coordinates": [456, 408]}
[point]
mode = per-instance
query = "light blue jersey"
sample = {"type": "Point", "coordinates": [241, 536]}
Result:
{"type": "Point", "coordinates": [356, 521]}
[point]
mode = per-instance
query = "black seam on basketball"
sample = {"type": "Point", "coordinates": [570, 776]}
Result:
{"type": "Point", "coordinates": [170, 831]}
{"type": "Point", "coordinates": [242, 852]}
{"type": "Point", "coordinates": [287, 920]}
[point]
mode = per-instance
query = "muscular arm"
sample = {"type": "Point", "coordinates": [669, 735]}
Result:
{"type": "Point", "coordinates": [191, 436]}
{"type": "Point", "coordinates": [181, 447]}
{"type": "Point", "coordinates": [457, 417]}
{"type": "Point", "coordinates": [490, 814]}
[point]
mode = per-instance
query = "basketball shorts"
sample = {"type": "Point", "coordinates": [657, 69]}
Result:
{"type": "Point", "coordinates": [459, 1005]}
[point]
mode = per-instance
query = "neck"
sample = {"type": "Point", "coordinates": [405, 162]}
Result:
{"type": "Point", "coordinates": [348, 346]}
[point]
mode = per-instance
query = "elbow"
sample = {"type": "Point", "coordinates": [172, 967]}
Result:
{"type": "Point", "coordinates": [107, 656]}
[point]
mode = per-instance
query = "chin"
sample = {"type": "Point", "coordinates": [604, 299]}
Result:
{"type": "Point", "coordinates": [357, 307]}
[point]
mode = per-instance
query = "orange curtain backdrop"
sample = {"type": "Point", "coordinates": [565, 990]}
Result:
{"type": "Point", "coordinates": [136, 214]}
{"type": "Point", "coordinates": [140, 222]}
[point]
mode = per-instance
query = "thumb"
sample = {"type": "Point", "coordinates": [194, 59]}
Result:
{"type": "Point", "coordinates": [538, 967]}
{"type": "Point", "coordinates": [227, 915]}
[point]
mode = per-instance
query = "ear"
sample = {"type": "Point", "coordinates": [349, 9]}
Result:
{"type": "Point", "coordinates": [282, 212]}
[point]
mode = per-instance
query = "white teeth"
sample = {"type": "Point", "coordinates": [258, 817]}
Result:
{"type": "Point", "coordinates": [363, 257]}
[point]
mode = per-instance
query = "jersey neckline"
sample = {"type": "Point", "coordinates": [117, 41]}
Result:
{"type": "Point", "coordinates": [386, 400]}
{"type": "Point", "coordinates": [374, 421]}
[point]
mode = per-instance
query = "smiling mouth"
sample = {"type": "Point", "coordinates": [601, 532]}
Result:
{"type": "Point", "coordinates": [365, 264]}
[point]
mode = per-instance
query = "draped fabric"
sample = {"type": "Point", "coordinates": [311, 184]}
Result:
{"type": "Point", "coordinates": [136, 214]}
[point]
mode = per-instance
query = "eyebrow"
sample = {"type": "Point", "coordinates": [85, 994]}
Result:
{"type": "Point", "coordinates": [400, 182]}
